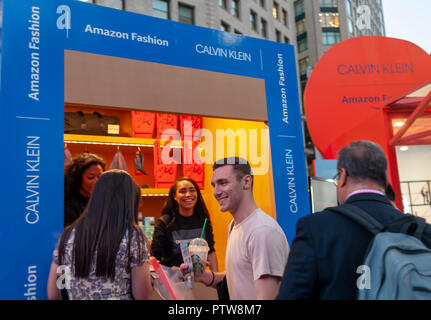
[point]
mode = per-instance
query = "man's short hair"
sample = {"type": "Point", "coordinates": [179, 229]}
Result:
{"type": "Point", "coordinates": [364, 160]}
{"type": "Point", "coordinates": [240, 166]}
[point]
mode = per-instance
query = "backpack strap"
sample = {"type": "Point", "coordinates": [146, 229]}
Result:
{"type": "Point", "coordinates": [415, 227]}
{"type": "Point", "coordinates": [359, 216]}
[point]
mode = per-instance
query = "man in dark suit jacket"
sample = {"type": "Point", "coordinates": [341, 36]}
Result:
{"type": "Point", "coordinates": [328, 247]}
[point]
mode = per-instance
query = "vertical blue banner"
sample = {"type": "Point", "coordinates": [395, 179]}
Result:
{"type": "Point", "coordinates": [286, 136]}
{"type": "Point", "coordinates": [32, 111]}
{"type": "Point", "coordinates": [35, 35]}
{"type": "Point", "coordinates": [1, 27]}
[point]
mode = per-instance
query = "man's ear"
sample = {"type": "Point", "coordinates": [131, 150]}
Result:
{"type": "Point", "coordinates": [343, 178]}
{"type": "Point", "coordinates": [247, 180]}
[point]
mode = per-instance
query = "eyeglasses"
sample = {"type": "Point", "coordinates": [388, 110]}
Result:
{"type": "Point", "coordinates": [336, 177]}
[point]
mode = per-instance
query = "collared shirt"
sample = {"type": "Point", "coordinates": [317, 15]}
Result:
{"type": "Point", "coordinates": [365, 191]}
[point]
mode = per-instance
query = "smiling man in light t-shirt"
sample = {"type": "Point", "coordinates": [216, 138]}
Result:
{"type": "Point", "coordinates": [257, 248]}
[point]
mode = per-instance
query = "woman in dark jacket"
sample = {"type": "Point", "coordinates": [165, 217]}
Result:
{"type": "Point", "coordinates": [80, 176]}
{"type": "Point", "coordinates": [183, 218]}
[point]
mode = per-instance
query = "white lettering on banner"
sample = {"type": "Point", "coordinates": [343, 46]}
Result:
{"type": "Point", "coordinates": [211, 51]}
{"type": "Point", "coordinates": [238, 55]}
{"type": "Point", "coordinates": [148, 39]}
{"type": "Point", "coordinates": [33, 45]}
{"type": "Point", "coordinates": [31, 285]}
{"type": "Point", "coordinates": [32, 185]}
{"type": "Point", "coordinates": [290, 171]}
{"type": "Point", "coordinates": [282, 84]}
{"type": "Point", "coordinates": [107, 32]}
{"type": "Point", "coordinates": [223, 52]}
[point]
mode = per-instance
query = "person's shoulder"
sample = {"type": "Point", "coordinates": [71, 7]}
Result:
{"type": "Point", "coordinates": [265, 228]}
{"type": "Point", "coordinates": [165, 219]}
{"type": "Point", "coordinates": [264, 218]}
{"type": "Point", "coordinates": [136, 235]}
{"type": "Point", "coordinates": [322, 217]}
{"type": "Point", "coordinates": [266, 222]}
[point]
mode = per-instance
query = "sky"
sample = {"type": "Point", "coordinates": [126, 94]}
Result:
{"type": "Point", "coordinates": [409, 20]}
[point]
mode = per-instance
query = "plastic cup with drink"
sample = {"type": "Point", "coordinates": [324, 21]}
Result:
{"type": "Point", "coordinates": [198, 248]}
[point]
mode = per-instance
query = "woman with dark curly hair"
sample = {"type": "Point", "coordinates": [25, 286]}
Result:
{"type": "Point", "coordinates": [182, 219]}
{"type": "Point", "coordinates": [104, 254]}
{"type": "Point", "coordinates": [80, 176]}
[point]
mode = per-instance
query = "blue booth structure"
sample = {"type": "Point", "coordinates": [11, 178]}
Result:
{"type": "Point", "coordinates": [35, 36]}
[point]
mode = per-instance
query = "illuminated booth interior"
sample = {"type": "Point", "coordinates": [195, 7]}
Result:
{"type": "Point", "coordinates": [121, 87]}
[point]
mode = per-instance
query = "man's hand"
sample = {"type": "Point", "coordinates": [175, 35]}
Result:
{"type": "Point", "coordinates": [206, 278]}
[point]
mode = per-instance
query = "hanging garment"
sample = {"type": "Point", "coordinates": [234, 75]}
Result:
{"type": "Point", "coordinates": [139, 164]}
{"type": "Point", "coordinates": [118, 161]}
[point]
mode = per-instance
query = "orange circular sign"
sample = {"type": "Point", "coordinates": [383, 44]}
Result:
{"type": "Point", "coordinates": [351, 83]}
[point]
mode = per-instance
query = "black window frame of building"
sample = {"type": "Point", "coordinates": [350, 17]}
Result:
{"type": "Point", "coordinates": [186, 6]}
{"type": "Point", "coordinates": [264, 28]}
{"type": "Point", "coordinates": [253, 21]}
{"type": "Point", "coordinates": [300, 41]}
{"type": "Point", "coordinates": [303, 23]}
{"type": "Point", "coordinates": [278, 35]}
{"type": "Point", "coordinates": [303, 71]}
{"type": "Point", "coordinates": [331, 32]}
{"type": "Point", "coordinates": [328, 4]}
{"type": "Point", "coordinates": [168, 16]}
{"type": "Point", "coordinates": [329, 17]}
{"type": "Point", "coordinates": [299, 4]}
{"type": "Point", "coordinates": [235, 8]}
{"type": "Point", "coordinates": [224, 26]}
{"type": "Point", "coordinates": [284, 17]}
{"type": "Point", "coordinates": [222, 4]}
{"type": "Point", "coordinates": [275, 10]}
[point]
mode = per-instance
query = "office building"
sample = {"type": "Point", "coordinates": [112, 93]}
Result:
{"type": "Point", "coordinates": [322, 23]}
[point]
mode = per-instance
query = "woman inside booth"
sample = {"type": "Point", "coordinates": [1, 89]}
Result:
{"type": "Point", "coordinates": [183, 217]}
{"type": "Point", "coordinates": [104, 254]}
{"type": "Point", "coordinates": [80, 176]}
